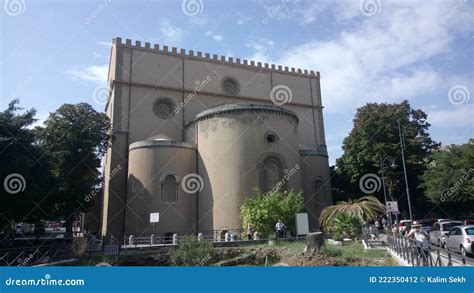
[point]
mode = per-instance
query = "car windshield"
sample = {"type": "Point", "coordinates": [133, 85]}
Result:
{"type": "Point", "coordinates": [469, 231]}
{"type": "Point", "coordinates": [447, 226]}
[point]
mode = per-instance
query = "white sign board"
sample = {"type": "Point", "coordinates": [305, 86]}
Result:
{"type": "Point", "coordinates": [302, 226]}
{"type": "Point", "coordinates": [392, 206]}
{"type": "Point", "coordinates": [154, 217]}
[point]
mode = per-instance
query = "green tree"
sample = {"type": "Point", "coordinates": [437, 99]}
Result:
{"type": "Point", "coordinates": [76, 136]}
{"type": "Point", "coordinates": [375, 136]}
{"type": "Point", "coordinates": [24, 168]}
{"type": "Point", "coordinates": [449, 178]}
{"type": "Point", "coordinates": [265, 209]}
{"type": "Point", "coordinates": [365, 208]}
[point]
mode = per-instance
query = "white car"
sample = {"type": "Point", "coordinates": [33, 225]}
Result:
{"type": "Point", "coordinates": [440, 229]}
{"type": "Point", "coordinates": [460, 238]}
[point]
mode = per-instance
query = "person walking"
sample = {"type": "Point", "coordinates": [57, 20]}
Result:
{"type": "Point", "coordinates": [280, 229]}
{"type": "Point", "coordinates": [249, 232]}
{"type": "Point", "coordinates": [421, 241]}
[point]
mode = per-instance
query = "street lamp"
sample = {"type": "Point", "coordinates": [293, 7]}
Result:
{"type": "Point", "coordinates": [402, 147]}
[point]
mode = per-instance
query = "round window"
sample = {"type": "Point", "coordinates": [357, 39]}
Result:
{"type": "Point", "coordinates": [163, 108]}
{"type": "Point", "coordinates": [230, 86]}
{"type": "Point", "coordinates": [271, 137]}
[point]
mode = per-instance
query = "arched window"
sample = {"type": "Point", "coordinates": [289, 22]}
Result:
{"type": "Point", "coordinates": [271, 174]}
{"type": "Point", "coordinates": [169, 188]}
{"type": "Point", "coordinates": [319, 189]}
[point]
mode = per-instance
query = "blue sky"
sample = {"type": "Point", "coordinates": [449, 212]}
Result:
{"type": "Point", "coordinates": [55, 52]}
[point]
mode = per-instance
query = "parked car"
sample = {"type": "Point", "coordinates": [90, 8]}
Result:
{"type": "Point", "coordinates": [39, 228]}
{"type": "Point", "coordinates": [426, 225]}
{"type": "Point", "coordinates": [443, 220]}
{"type": "Point", "coordinates": [440, 229]}
{"type": "Point", "coordinates": [19, 230]}
{"type": "Point", "coordinates": [460, 238]}
{"type": "Point", "coordinates": [469, 221]}
{"type": "Point", "coordinates": [403, 225]}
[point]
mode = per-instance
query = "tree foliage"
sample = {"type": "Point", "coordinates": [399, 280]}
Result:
{"type": "Point", "coordinates": [449, 178]}
{"type": "Point", "coordinates": [375, 136]}
{"type": "Point", "coordinates": [76, 136]}
{"type": "Point", "coordinates": [265, 209]}
{"type": "Point", "coordinates": [365, 208]}
{"type": "Point", "coordinates": [22, 158]}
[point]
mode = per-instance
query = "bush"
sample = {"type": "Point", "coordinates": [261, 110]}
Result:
{"type": "Point", "coordinates": [346, 225]}
{"type": "Point", "coordinates": [191, 252]}
{"type": "Point", "coordinates": [265, 209]}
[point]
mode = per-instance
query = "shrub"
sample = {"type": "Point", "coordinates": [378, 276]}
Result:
{"type": "Point", "coordinates": [347, 225]}
{"type": "Point", "coordinates": [191, 252]}
{"type": "Point", "coordinates": [265, 209]}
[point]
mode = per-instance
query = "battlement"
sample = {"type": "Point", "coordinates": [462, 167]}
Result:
{"type": "Point", "coordinates": [191, 54]}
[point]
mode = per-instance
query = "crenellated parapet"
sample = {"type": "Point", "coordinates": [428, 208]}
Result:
{"type": "Point", "coordinates": [191, 54]}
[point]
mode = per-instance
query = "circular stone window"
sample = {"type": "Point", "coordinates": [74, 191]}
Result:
{"type": "Point", "coordinates": [271, 137]}
{"type": "Point", "coordinates": [230, 86]}
{"type": "Point", "coordinates": [163, 108]}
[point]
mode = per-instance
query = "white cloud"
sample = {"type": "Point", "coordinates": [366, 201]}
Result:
{"type": "Point", "coordinates": [242, 18]}
{"type": "Point", "coordinates": [458, 116]}
{"type": "Point", "coordinates": [303, 12]}
{"type": "Point", "coordinates": [105, 44]}
{"type": "Point", "coordinates": [198, 19]}
{"type": "Point", "coordinates": [261, 48]}
{"type": "Point", "coordinates": [171, 34]}
{"type": "Point", "coordinates": [214, 36]}
{"type": "Point", "coordinates": [384, 57]}
{"type": "Point", "coordinates": [95, 74]}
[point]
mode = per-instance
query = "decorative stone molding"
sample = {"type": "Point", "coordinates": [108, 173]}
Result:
{"type": "Point", "coordinates": [320, 150]}
{"type": "Point", "coordinates": [244, 108]}
{"type": "Point", "coordinates": [159, 143]}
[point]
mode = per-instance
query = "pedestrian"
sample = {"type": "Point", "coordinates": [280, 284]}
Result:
{"type": "Point", "coordinates": [374, 232]}
{"type": "Point", "coordinates": [384, 223]}
{"type": "Point", "coordinates": [249, 232]}
{"type": "Point", "coordinates": [421, 241]}
{"type": "Point", "coordinates": [280, 229]}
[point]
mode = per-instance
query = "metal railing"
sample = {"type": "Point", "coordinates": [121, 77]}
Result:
{"type": "Point", "coordinates": [167, 238]}
{"type": "Point", "coordinates": [34, 255]}
{"type": "Point", "coordinates": [416, 254]}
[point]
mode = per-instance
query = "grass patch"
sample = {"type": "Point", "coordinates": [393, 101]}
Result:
{"type": "Point", "coordinates": [353, 250]}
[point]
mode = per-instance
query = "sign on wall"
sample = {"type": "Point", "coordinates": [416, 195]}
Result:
{"type": "Point", "coordinates": [154, 217]}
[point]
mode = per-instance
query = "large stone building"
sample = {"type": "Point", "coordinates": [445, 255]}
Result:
{"type": "Point", "coordinates": [194, 134]}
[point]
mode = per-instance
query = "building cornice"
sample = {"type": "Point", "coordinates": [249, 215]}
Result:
{"type": "Point", "coordinates": [236, 108]}
{"type": "Point", "coordinates": [320, 150]}
{"type": "Point", "coordinates": [160, 143]}
{"type": "Point", "coordinates": [214, 58]}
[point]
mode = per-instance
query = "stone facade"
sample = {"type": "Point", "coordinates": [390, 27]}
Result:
{"type": "Point", "coordinates": [193, 135]}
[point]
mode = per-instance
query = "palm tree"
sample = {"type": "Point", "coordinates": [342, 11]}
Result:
{"type": "Point", "coordinates": [365, 208]}
{"type": "Point", "coordinates": [347, 225]}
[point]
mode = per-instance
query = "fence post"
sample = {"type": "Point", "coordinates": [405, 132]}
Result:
{"type": "Point", "coordinates": [200, 237]}
{"type": "Point", "coordinates": [175, 239]}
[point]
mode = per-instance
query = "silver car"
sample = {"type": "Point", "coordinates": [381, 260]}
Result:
{"type": "Point", "coordinates": [440, 229]}
{"type": "Point", "coordinates": [460, 238]}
